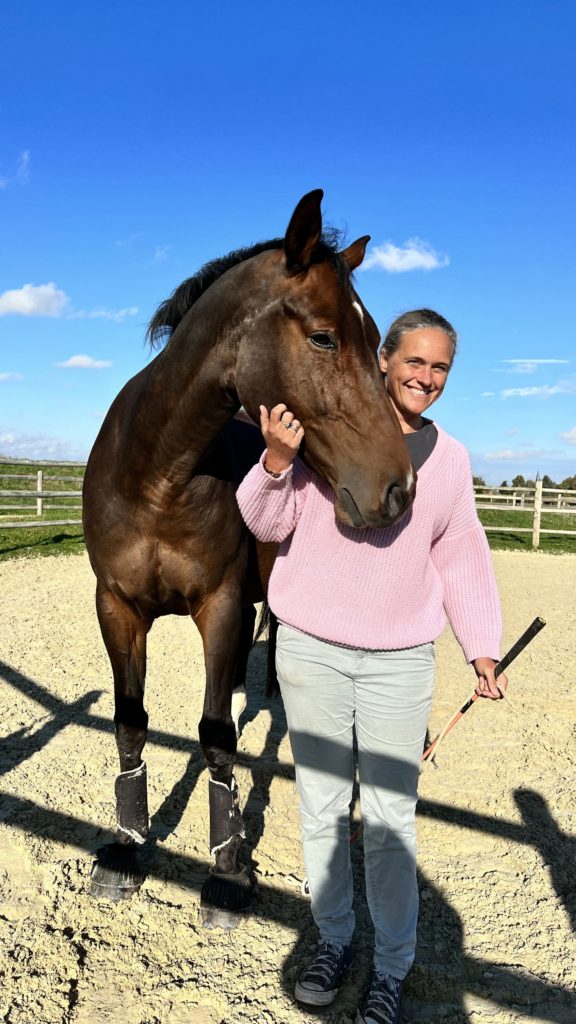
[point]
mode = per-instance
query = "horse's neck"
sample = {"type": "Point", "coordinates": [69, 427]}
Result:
{"type": "Point", "coordinates": [189, 395]}
{"type": "Point", "coordinates": [196, 404]}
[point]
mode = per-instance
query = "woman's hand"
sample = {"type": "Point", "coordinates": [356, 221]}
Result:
{"type": "Point", "coordinates": [283, 435]}
{"type": "Point", "coordinates": [488, 685]}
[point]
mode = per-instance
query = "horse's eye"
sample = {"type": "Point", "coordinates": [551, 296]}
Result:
{"type": "Point", "coordinates": [323, 340]}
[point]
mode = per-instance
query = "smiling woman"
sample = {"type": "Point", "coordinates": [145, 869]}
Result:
{"type": "Point", "coordinates": [359, 611]}
{"type": "Point", "coordinates": [416, 358]}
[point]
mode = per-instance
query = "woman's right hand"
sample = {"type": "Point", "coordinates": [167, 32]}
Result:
{"type": "Point", "coordinates": [283, 435]}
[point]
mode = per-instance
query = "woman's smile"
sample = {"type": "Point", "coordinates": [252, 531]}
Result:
{"type": "Point", "coordinates": [416, 373]}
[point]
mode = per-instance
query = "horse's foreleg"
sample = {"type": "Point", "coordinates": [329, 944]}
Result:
{"type": "Point", "coordinates": [228, 889]}
{"type": "Point", "coordinates": [118, 872]}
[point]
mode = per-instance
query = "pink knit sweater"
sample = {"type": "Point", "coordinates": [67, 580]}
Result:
{"type": "Point", "coordinates": [380, 589]}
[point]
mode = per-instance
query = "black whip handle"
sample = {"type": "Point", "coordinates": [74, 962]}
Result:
{"type": "Point", "coordinates": [520, 644]}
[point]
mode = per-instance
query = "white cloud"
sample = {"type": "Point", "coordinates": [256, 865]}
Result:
{"type": "Point", "coordinates": [38, 446]}
{"type": "Point", "coordinates": [511, 455]}
{"type": "Point", "coordinates": [23, 166]}
{"type": "Point", "coordinates": [531, 365]}
{"type": "Point", "coordinates": [396, 259]}
{"type": "Point", "coordinates": [512, 431]}
{"type": "Point", "coordinates": [85, 363]}
{"type": "Point", "coordinates": [117, 315]}
{"type": "Point", "coordinates": [488, 394]}
{"type": "Point", "coordinates": [161, 253]}
{"type": "Point", "coordinates": [507, 455]}
{"type": "Point", "coordinates": [11, 376]}
{"type": "Point", "coordinates": [19, 173]}
{"type": "Point", "coordinates": [127, 243]}
{"type": "Point", "coordinates": [34, 300]}
{"type": "Point", "coordinates": [563, 387]}
{"type": "Point", "coordinates": [48, 300]}
{"type": "Point", "coordinates": [569, 435]}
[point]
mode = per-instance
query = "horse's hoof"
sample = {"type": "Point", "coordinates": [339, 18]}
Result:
{"type": "Point", "coordinates": [223, 898]}
{"type": "Point", "coordinates": [117, 873]}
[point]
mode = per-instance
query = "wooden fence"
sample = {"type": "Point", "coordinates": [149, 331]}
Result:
{"type": "Point", "coordinates": [537, 499]}
{"type": "Point", "coordinates": [36, 498]}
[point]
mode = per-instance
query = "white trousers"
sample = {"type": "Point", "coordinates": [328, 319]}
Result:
{"type": "Point", "coordinates": [385, 696]}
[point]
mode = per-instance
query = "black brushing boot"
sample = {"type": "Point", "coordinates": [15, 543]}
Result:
{"type": "Point", "coordinates": [228, 889]}
{"type": "Point", "coordinates": [118, 871]}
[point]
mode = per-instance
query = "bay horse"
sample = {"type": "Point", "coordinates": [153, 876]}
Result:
{"type": "Point", "coordinates": [279, 321]}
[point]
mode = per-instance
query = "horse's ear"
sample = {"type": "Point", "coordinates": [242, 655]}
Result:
{"type": "Point", "coordinates": [355, 252]}
{"type": "Point", "coordinates": [303, 231]}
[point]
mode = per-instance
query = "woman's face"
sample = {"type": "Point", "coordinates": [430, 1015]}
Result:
{"type": "Point", "coordinates": [416, 373]}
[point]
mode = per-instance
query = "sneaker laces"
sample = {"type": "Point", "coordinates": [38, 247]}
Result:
{"type": "Point", "coordinates": [324, 965]}
{"type": "Point", "coordinates": [383, 998]}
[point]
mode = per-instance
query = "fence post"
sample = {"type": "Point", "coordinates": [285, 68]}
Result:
{"type": "Point", "coordinates": [537, 515]}
{"type": "Point", "coordinates": [39, 487]}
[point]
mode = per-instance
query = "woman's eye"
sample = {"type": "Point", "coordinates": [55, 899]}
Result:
{"type": "Point", "coordinates": [323, 340]}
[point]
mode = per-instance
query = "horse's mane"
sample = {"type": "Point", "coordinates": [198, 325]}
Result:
{"type": "Point", "coordinates": [171, 311]}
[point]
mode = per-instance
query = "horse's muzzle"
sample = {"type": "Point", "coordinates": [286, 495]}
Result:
{"type": "Point", "coordinates": [395, 500]}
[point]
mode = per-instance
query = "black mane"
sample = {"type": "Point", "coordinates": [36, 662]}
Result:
{"type": "Point", "coordinates": [171, 311]}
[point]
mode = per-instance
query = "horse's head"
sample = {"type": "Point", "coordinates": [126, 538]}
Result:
{"type": "Point", "coordinates": [309, 342]}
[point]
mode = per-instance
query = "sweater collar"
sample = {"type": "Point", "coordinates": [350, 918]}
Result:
{"type": "Point", "coordinates": [429, 471]}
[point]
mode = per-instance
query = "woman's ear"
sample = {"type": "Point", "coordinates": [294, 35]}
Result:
{"type": "Point", "coordinates": [383, 360]}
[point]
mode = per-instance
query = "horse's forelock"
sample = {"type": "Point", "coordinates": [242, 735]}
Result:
{"type": "Point", "coordinates": [172, 310]}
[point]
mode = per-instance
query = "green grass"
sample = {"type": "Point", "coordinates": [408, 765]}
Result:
{"type": "Point", "coordinates": [50, 540]}
{"type": "Point", "coordinates": [550, 543]}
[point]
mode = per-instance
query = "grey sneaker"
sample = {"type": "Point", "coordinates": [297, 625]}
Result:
{"type": "Point", "coordinates": [320, 981]}
{"type": "Point", "coordinates": [382, 1005]}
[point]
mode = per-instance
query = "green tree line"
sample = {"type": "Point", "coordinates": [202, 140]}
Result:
{"type": "Point", "coordinates": [568, 484]}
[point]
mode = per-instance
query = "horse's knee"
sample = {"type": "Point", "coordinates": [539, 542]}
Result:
{"type": "Point", "coordinates": [218, 742]}
{"type": "Point", "coordinates": [131, 728]}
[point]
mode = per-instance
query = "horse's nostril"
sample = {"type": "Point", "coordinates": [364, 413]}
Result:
{"type": "Point", "coordinates": [351, 508]}
{"type": "Point", "coordinates": [395, 499]}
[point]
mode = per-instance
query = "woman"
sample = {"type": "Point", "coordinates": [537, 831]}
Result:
{"type": "Point", "coordinates": [359, 611]}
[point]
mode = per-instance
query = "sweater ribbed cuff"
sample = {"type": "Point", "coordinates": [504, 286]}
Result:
{"type": "Point", "coordinates": [269, 476]}
{"type": "Point", "coordinates": [484, 648]}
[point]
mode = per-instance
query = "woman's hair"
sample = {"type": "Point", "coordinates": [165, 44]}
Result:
{"type": "Point", "coordinates": [413, 321]}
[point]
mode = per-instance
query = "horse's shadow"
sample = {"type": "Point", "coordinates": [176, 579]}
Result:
{"type": "Point", "coordinates": [442, 972]}
{"type": "Point", "coordinates": [264, 769]}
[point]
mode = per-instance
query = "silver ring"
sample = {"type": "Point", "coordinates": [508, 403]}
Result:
{"type": "Point", "coordinates": [292, 427]}
{"type": "Point", "coordinates": [287, 425]}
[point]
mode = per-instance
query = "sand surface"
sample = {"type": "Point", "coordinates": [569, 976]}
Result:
{"type": "Point", "coordinates": [496, 822]}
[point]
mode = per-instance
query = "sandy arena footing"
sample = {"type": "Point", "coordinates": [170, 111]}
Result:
{"type": "Point", "coordinates": [496, 824]}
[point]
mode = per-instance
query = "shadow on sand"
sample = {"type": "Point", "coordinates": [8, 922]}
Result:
{"type": "Point", "coordinates": [442, 973]}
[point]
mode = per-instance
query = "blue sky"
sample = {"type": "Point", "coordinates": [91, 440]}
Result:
{"type": "Point", "coordinates": [139, 140]}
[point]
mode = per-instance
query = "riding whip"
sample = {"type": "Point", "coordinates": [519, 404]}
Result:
{"type": "Point", "coordinates": [513, 653]}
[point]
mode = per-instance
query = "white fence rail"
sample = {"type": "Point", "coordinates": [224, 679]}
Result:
{"type": "Point", "coordinates": [537, 500]}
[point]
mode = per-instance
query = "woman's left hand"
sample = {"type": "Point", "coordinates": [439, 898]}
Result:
{"type": "Point", "coordinates": [488, 685]}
